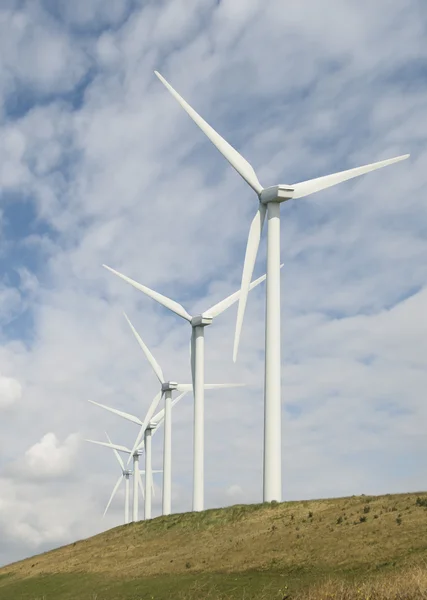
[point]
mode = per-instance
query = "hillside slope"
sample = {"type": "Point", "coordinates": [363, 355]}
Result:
{"type": "Point", "coordinates": [238, 548]}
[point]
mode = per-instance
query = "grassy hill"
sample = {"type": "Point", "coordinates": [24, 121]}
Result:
{"type": "Point", "coordinates": [308, 549]}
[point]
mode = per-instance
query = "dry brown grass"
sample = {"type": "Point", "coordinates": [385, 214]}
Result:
{"type": "Point", "coordinates": [410, 584]}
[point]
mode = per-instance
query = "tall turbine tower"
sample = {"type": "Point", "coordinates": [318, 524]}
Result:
{"type": "Point", "coordinates": [151, 429]}
{"type": "Point", "coordinates": [269, 200]}
{"type": "Point", "coordinates": [167, 387]}
{"type": "Point", "coordinates": [197, 352]}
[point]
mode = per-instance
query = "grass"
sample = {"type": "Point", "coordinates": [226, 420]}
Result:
{"type": "Point", "coordinates": [299, 550]}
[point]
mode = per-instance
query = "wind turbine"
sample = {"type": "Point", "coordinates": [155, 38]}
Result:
{"type": "Point", "coordinates": [197, 353]}
{"type": "Point", "coordinates": [269, 200]}
{"type": "Point", "coordinates": [153, 426]}
{"type": "Point", "coordinates": [126, 473]}
{"type": "Point", "coordinates": [167, 387]}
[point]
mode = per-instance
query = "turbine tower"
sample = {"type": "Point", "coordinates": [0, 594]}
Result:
{"type": "Point", "coordinates": [269, 200]}
{"type": "Point", "coordinates": [153, 426]}
{"type": "Point", "coordinates": [167, 387]}
{"type": "Point", "coordinates": [126, 473]}
{"type": "Point", "coordinates": [197, 351]}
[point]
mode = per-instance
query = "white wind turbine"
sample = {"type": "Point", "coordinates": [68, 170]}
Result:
{"type": "Point", "coordinates": [152, 427]}
{"type": "Point", "coordinates": [269, 200]}
{"type": "Point", "coordinates": [126, 473]}
{"type": "Point", "coordinates": [197, 351]}
{"type": "Point", "coordinates": [167, 387]}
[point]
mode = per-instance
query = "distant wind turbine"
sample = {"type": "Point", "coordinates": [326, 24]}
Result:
{"type": "Point", "coordinates": [126, 473]}
{"type": "Point", "coordinates": [197, 359]}
{"type": "Point", "coordinates": [151, 429]}
{"type": "Point", "coordinates": [167, 387]}
{"type": "Point", "coordinates": [269, 200]}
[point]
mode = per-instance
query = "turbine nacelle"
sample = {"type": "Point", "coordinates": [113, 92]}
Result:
{"type": "Point", "coordinates": [169, 386]}
{"type": "Point", "coordinates": [276, 193]}
{"type": "Point", "coordinates": [201, 321]}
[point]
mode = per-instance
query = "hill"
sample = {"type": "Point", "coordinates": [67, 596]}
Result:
{"type": "Point", "coordinates": [246, 551]}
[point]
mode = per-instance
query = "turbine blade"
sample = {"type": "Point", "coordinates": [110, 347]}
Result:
{"type": "Point", "coordinates": [154, 404]}
{"type": "Point", "coordinates": [235, 159]}
{"type": "Point", "coordinates": [115, 488]}
{"type": "Point", "coordinates": [177, 399]}
{"type": "Point", "coordinates": [137, 443]}
{"type": "Point", "coordinates": [320, 183]}
{"type": "Point", "coordinates": [116, 446]}
{"type": "Point", "coordinates": [159, 417]}
{"type": "Point", "coordinates": [152, 488]}
{"type": "Point", "coordinates": [125, 415]}
{"type": "Point", "coordinates": [184, 387]}
{"type": "Point", "coordinates": [141, 487]}
{"type": "Point", "coordinates": [209, 386]}
{"type": "Point", "coordinates": [248, 268]}
{"type": "Point", "coordinates": [116, 454]}
{"type": "Point", "coordinates": [219, 308]}
{"type": "Point", "coordinates": [153, 362]}
{"type": "Point", "coordinates": [150, 412]}
{"type": "Point", "coordinates": [163, 300]}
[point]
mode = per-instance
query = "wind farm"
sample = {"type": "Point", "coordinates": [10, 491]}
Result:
{"type": "Point", "coordinates": [254, 349]}
{"type": "Point", "coordinates": [197, 350]}
{"type": "Point", "coordinates": [269, 201]}
{"type": "Point", "coordinates": [126, 474]}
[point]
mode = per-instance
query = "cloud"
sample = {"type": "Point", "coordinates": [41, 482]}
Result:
{"type": "Point", "coordinates": [49, 459]}
{"type": "Point", "coordinates": [84, 14]}
{"type": "Point", "coordinates": [37, 55]}
{"type": "Point", "coordinates": [10, 302]}
{"type": "Point", "coordinates": [234, 491]}
{"type": "Point", "coordinates": [31, 519]}
{"type": "Point", "coordinates": [10, 391]}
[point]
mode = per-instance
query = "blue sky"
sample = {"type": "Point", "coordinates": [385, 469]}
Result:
{"type": "Point", "coordinates": [98, 164]}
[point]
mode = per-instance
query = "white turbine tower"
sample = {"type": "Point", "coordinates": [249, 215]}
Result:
{"type": "Point", "coordinates": [269, 200]}
{"type": "Point", "coordinates": [153, 426]}
{"type": "Point", "coordinates": [198, 323]}
{"type": "Point", "coordinates": [126, 473]}
{"type": "Point", "coordinates": [167, 387]}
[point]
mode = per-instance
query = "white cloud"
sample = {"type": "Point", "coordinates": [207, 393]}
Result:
{"type": "Point", "coordinates": [48, 458]}
{"type": "Point", "coordinates": [10, 303]}
{"type": "Point", "coordinates": [10, 391]}
{"type": "Point", "coordinates": [95, 13]}
{"type": "Point", "coordinates": [36, 53]}
{"type": "Point", "coordinates": [234, 491]}
{"type": "Point", "coordinates": [34, 520]}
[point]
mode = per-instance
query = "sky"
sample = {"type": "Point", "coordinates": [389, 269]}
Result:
{"type": "Point", "coordinates": [99, 164]}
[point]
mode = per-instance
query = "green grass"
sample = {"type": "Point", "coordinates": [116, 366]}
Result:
{"type": "Point", "coordinates": [248, 585]}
